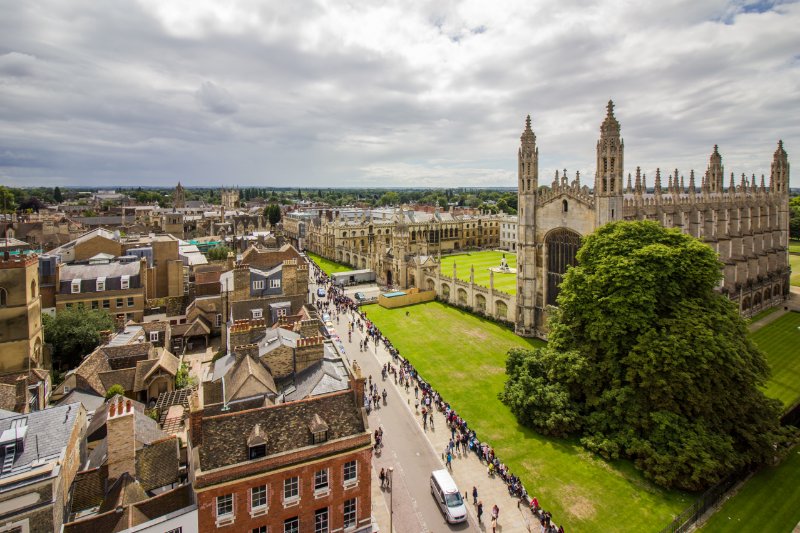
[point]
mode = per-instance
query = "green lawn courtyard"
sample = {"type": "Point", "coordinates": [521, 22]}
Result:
{"type": "Point", "coordinates": [780, 340]}
{"type": "Point", "coordinates": [794, 246]}
{"type": "Point", "coordinates": [329, 267]}
{"type": "Point", "coordinates": [767, 502]}
{"type": "Point", "coordinates": [794, 262]}
{"type": "Point", "coordinates": [482, 261]}
{"type": "Point", "coordinates": [463, 357]}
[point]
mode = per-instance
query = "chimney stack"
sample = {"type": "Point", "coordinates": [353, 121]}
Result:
{"type": "Point", "coordinates": [120, 438]}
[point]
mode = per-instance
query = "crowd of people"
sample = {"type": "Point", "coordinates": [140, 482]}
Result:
{"type": "Point", "coordinates": [463, 440]}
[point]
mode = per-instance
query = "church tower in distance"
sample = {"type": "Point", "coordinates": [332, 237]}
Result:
{"type": "Point", "coordinates": [609, 173]}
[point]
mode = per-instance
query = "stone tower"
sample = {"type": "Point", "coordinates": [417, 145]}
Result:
{"type": "Point", "coordinates": [715, 175]}
{"type": "Point", "coordinates": [179, 197]}
{"type": "Point", "coordinates": [21, 337]}
{"type": "Point", "coordinates": [528, 183]}
{"type": "Point", "coordinates": [609, 173]}
{"type": "Point", "coordinates": [230, 198]}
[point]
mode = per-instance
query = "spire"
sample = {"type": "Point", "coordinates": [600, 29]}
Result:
{"type": "Point", "coordinates": [763, 185]}
{"type": "Point", "coordinates": [779, 172]}
{"type": "Point", "coordinates": [610, 109]}
{"type": "Point", "coordinates": [732, 186]}
{"type": "Point", "coordinates": [638, 180]}
{"type": "Point", "coordinates": [528, 159]}
{"type": "Point", "coordinates": [692, 188]}
{"type": "Point", "coordinates": [629, 189]}
{"type": "Point", "coordinates": [683, 186]}
{"type": "Point", "coordinates": [658, 182]}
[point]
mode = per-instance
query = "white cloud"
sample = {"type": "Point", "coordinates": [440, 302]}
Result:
{"type": "Point", "coordinates": [326, 93]}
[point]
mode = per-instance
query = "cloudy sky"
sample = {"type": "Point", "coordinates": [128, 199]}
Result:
{"type": "Point", "coordinates": [388, 92]}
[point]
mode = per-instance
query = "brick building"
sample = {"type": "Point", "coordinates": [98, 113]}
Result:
{"type": "Point", "coordinates": [289, 467]}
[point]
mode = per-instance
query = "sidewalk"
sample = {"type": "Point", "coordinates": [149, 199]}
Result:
{"type": "Point", "coordinates": [467, 470]}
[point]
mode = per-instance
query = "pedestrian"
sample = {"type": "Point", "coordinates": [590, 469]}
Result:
{"type": "Point", "coordinates": [494, 525]}
{"type": "Point", "coordinates": [450, 461]}
{"type": "Point", "coordinates": [474, 494]}
{"type": "Point", "coordinates": [480, 510]}
{"type": "Point", "coordinates": [416, 391]}
{"type": "Point", "coordinates": [495, 512]}
{"type": "Point", "coordinates": [382, 476]}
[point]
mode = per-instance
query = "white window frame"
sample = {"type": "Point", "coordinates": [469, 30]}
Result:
{"type": "Point", "coordinates": [154, 336]}
{"type": "Point", "coordinates": [354, 522]}
{"type": "Point", "coordinates": [120, 302]}
{"type": "Point", "coordinates": [295, 518]}
{"type": "Point", "coordinates": [225, 518]}
{"type": "Point", "coordinates": [76, 286]}
{"type": "Point", "coordinates": [327, 525]}
{"type": "Point", "coordinates": [100, 284]}
{"type": "Point", "coordinates": [295, 498]}
{"type": "Point", "coordinates": [258, 284]}
{"type": "Point", "coordinates": [219, 320]}
{"type": "Point", "coordinates": [275, 283]}
{"type": "Point", "coordinates": [125, 282]}
{"type": "Point", "coordinates": [259, 509]}
{"type": "Point", "coordinates": [130, 301]}
{"type": "Point", "coordinates": [348, 482]}
{"type": "Point", "coordinates": [319, 488]}
{"type": "Point", "coordinates": [281, 311]}
{"type": "Point", "coordinates": [257, 313]}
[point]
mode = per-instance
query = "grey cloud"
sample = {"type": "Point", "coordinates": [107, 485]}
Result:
{"type": "Point", "coordinates": [216, 99]}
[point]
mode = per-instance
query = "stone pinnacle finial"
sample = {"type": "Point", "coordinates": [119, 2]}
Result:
{"type": "Point", "coordinates": [716, 149]}
{"type": "Point", "coordinates": [610, 108]}
{"type": "Point", "coordinates": [528, 123]}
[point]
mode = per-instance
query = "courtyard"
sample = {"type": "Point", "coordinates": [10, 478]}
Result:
{"type": "Point", "coordinates": [780, 340]}
{"type": "Point", "coordinates": [463, 357]}
{"type": "Point", "coordinates": [483, 261]}
{"type": "Point", "coordinates": [329, 267]}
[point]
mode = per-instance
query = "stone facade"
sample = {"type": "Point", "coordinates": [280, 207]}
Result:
{"type": "Point", "coordinates": [230, 198]}
{"type": "Point", "coordinates": [746, 224]}
{"type": "Point", "coordinates": [385, 241]}
{"type": "Point", "coordinates": [21, 337]}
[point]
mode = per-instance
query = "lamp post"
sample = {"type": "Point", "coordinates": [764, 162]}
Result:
{"type": "Point", "coordinates": [391, 498]}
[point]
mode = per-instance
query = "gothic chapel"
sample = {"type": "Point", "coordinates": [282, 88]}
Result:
{"type": "Point", "coordinates": [747, 224]}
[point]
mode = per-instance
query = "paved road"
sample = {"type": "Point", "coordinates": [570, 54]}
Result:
{"type": "Point", "coordinates": [406, 449]}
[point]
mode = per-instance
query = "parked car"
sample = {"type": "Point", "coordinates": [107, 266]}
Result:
{"type": "Point", "coordinates": [321, 292]}
{"type": "Point", "coordinates": [360, 296]}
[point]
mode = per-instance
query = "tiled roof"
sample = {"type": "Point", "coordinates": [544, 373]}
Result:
{"type": "Point", "coordinates": [88, 489]}
{"type": "Point", "coordinates": [126, 490]}
{"type": "Point", "coordinates": [108, 270]}
{"type": "Point", "coordinates": [241, 372]}
{"type": "Point", "coordinates": [157, 463]}
{"type": "Point", "coordinates": [286, 425]}
{"type": "Point", "coordinates": [125, 377]}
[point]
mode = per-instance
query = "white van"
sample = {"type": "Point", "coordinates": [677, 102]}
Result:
{"type": "Point", "coordinates": [447, 495]}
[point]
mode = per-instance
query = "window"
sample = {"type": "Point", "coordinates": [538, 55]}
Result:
{"type": "Point", "coordinates": [69, 306]}
{"type": "Point", "coordinates": [3, 297]}
{"type": "Point", "coordinates": [153, 336]}
{"type": "Point", "coordinates": [258, 285]}
{"type": "Point", "coordinates": [76, 286]}
{"type": "Point", "coordinates": [262, 529]}
{"type": "Point", "coordinates": [275, 283]}
{"type": "Point", "coordinates": [176, 530]}
{"type": "Point", "coordinates": [130, 301]}
{"type": "Point", "coordinates": [225, 506]}
{"type": "Point", "coordinates": [95, 304]}
{"type": "Point", "coordinates": [291, 488]}
{"type": "Point", "coordinates": [350, 513]}
{"type": "Point", "coordinates": [120, 302]}
{"type": "Point", "coordinates": [100, 285]}
{"type": "Point", "coordinates": [350, 472]}
{"type": "Point", "coordinates": [321, 520]}
{"type": "Point", "coordinates": [219, 320]}
{"type": "Point", "coordinates": [291, 525]}
{"type": "Point", "coordinates": [281, 312]}
{"type": "Point", "coordinates": [258, 497]}
{"type": "Point", "coordinates": [321, 480]}
{"type": "Point", "coordinates": [258, 313]}
{"type": "Point", "coordinates": [106, 304]}
{"type": "Point", "coordinates": [257, 451]}
{"type": "Point", "coordinates": [125, 282]}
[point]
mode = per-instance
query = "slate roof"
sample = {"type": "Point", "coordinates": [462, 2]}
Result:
{"type": "Point", "coordinates": [107, 270]}
{"type": "Point", "coordinates": [47, 436]}
{"type": "Point", "coordinates": [90, 401]}
{"type": "Point", "coordinates": [286, 426]}
{"type": "Point", "coordinates": [157, 463]}
{"type": "Point", "coordinates": [245, 368]}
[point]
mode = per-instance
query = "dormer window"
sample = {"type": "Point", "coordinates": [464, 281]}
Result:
{"type": "Point", "coordinates": [100, 286]}
{"type": "Point", "coordinates": [258, 313]}
{"type": "Point", "coordinates": [257, 443]}
{"type": "Point", "coordinates": [318, 429]}
{"type": "Point", "coordinates": [275, 283]}
{"type": "Point", "coordinates": [125, 282]}
{"type": "Point", "coordinates": [258, 285]}
{"type": "Point", "coordinates": [320, 436]}
{"type": "Point", "coordinates": [76, 286]}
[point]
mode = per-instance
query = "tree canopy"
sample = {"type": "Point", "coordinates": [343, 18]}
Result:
{"type": "Point", "coordinates": [273, 214]}
{"type": "Point", "coordinates": [218, 253]}
{"type": "Point", "coordinates": [646, 361]}
{"type": "Point", "coordinates": [74, 333]}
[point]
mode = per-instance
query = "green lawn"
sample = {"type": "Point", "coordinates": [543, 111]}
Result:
{"type": "Point", "coordinates": [769, 501]}
{"type": "Point", "coordinates": [763, 314]}
{"type": "Point", "coordinates": [780, 340]}
{"type": "Point", "coordinates": [482, 261]}
{"type": "Point", "coordinates": [794, 246]}
{"type": "Point", "coordinates": [794, 262]}
{"type": "Point", "coordinates": [463, 357]}
{"type": "Point", "coordinates": [329, 267]}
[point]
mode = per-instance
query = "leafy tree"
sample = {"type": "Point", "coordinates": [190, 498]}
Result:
{"type": "Point", "coordinates": [114, 390]}
{"type": "Point", "coordinates": [646, 361]}
{"type": "Point", "coordinates": [794, 217]}
{"type": "Point", "coordinates": [57, 196]}
{"type": "Point", "coordinates": [8, 203]}
{"type": "Point", "coordinates": [273, 213]}
{"type": "Point", "coordinates": [74, 333]}
{"type": "Point", "coordinates": [218, 253]}
{"type": "Point", "coordinates": [182, 378]}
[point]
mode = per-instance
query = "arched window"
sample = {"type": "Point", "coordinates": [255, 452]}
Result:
{"type": "Point", "coordinates": [33, 288]}
{"type": "Point", "coordinates": [564, 206]}
{"type": "Point", "coordinates": [3, 297]}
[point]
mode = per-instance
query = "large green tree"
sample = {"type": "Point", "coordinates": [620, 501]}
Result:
{"type": "Point", "coordinates": [74, 333]}
{"type": "Point", "coordinates": [646, 361]}
{"type": "Point", "coordinates": [218, 253]}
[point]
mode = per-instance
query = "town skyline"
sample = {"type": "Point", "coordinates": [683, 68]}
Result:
{"type": "Point", "coordinates": [397, 95]}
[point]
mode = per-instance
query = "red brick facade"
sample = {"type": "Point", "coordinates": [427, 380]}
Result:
{"type": "Point", "coordinates": [307, 504]}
